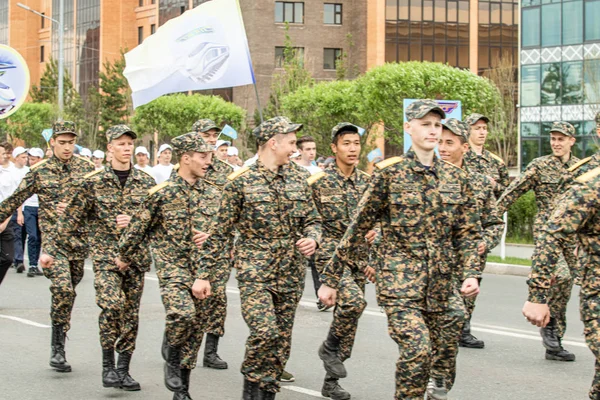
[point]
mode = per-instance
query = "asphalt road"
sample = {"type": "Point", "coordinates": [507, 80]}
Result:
{"type": "Point", "coordinates": [512, 366]}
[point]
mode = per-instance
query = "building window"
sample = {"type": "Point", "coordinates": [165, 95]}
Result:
{"type": "Point", "coordinates": [140, 34]}
{"type": "Point", "coordinates": [592, 15]}
{"type": "Point", "coordinates": [141, 3]}
{"type": "Point", "coordinates": [292, 12]}
{"type": "Point", "coordinates": [572, 17]}
{"type": "Point", "coordinates": [552, 23]}
{"type": "Point", "coordinates": [152, 29]}
{"type": "Point", "coordinates": [591, 81]}
{"type": "Point", "coordinates": [530, 27]}
{"type": "Point", "coordinates": [332, 14]}
{"type": "Point", "coordinates": [181, 10]}
{"type": "Point", "coordinates": [43, 20]}
{"type": "Point", "coordinates": [530, 85]}
{"type": "Point", "coordinates": [330, 57]}
{"type": "Point", "coordinates": [298, 52]}
{"type": "Point", "coordinates": [42, 58]}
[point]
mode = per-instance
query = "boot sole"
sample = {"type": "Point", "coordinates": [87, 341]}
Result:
{"type": "Point", "coordinates": [328, 395]}
{"type": "Point", "coordinates": [131, 388]}
{"type": "Point", "coordinates": [60, 368]}
{"type": "Point", "coordinates": [554, 358]}
{"type": "Point", "coordinates": [470, 346]}
{"type": "Point", "coordinates": [329, 371]}
{"type": "Point", "coordinates": [213, 366]}
{"type": "Point", "coordinates": [112, 385]}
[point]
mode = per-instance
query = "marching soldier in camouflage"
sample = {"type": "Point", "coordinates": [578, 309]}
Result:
{"type": "Point", "coordinates": [336, 193]}
{"type": "Point", "coordinates": [430, 230]}
{"type": "Point", "coordinates": [481, 160]}
{"type": "Point", "coordinates": [587, 164]}
{"type": "Point", "coordinates": [172, 219]}
{"type": "Point", "coordinates": [105, 201]}
{"type": "Point", "coordinates": [577, 214]}
{"type": "Point", "coordinates": [54, 181]}
{"type": "Point", "coordinates": [270, 204]}
{"type": "Point", "coordinates": [453, 146]}
{"type": "Point", "coordinates": [544, 175]}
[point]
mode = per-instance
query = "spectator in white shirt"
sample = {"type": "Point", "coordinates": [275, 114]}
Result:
{"type": "Point", "coordinates": [19, 170]}
{"type": "Point", "coordinates": [308, 152]}
{"type": "Point", "coordinates": [31, 235]}
{"type": "Point", "coordinates": [162, 170]}
{"type": "Point", "coordinates": [142, 158]}
{"type": "Point", "coordinates": [233, 158]}
{"type": "Point", "coordinates": [98, 158]}
{"type": "Point", "coordinates": [7, 187]}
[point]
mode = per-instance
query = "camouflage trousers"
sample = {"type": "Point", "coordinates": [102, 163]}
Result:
{"type": "Point", "coordinates": [64, 277]}
{"type": "Point", "coordinates": [270, 318]}
{"type": "Point", "coordinates": [591, 329]}
{"type": "Point", "coordinates": [560, 293]}
{"type": "Point", "coordinates": [426, 341]}
{"type": "Point", "coordinates": [186, 318]}
{"type": "Point", "coordinates": [217, 303]}
{"type": "Point", "coordinates": [349, 307]}
{"type": "Point", "coordinates": [118, 294]}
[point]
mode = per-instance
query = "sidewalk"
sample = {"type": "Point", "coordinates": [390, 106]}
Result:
{"type": "Point", "coordinates": [512, 250]}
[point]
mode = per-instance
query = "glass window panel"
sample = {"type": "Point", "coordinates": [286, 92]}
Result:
{"type": "Point", "coordinates": [530, 149]}
{"type": "Point", "coordinates": [591, 81]}
{"type": "Point", "coordinates": [391, 9]}
{"type": "Point", "coordinates": [572, 23]}
{"type": "Point", "coordinates": [495, 13]}
{"type": "Point", "coordinates": [452, 32]}
{"type": "Point", "coordinates": [495, 34]}
{"type": "Point", "coordinates": [528, 3]}
{"type": "Point", "coordinates": [507, 13]}
{"type": "Point", "coordinates": [589, 128]}
{"type": "Point", "coordinates": [390, 51]}
{"type": "Point", "coordinates": [427, 10]}
{"type": "Point", "coordinates": [390, 29]}
{"type": "Point", "coordinates": [427, 32]}
{"type": "Point", "coordinates": [415, 31]}
{"type": "Point", "coordinates": [507, 35]}
{"type": "Point", "coordinates": [530, 129]}
{"type": "Point", "coordinates": [416, 10]}
{"type": "Point", "coordinates": [463, 33]}
{"type": "Point", "coordinates": [299, 13]}
{"type": "Point", "coordinates": [530, 85]}
{"type": "Point", "coordinates": [551, 84]}
{"type": "Point", "coordinates": [403, 9]}
{"type": "Point", "coordinates": [484, 12]}
{"type": "Point", "coordinates": [328, 13]}
{"type": "Point", "coordinates": [440, 10]}
{"type": "Point", "coordinates": [495, 56]}
{"type": "Point", "coordinates": [530, 32]}
{"type": "Point", "coordinates": [403, 27]}
{"type": "Point", "coordinates": [591, 144]}
{"type": "Point", "coordinates": [427, 53]}
{"type": "Point", "coordinates": [330, 57]}
{"type": "Point", "coordinates": [403, 52]}
{"type": "Point", "coordinates": [463, 11]}
{"type": "Point", "coordinates": [592, 16]}
{"type": "Point", "coordinates": [551, 16]}
{"type": "Point", "coordinates": [415, 52]}
{"type": "Point", "coordinates": [439, 53]}
{"type": "Point", "coordinates": [452, 54]}
{"type": "Point", "coordinates": [463, 56]}
{"type": "Point", "coordinates": [484, 57]}
{"type": "Point", "coordinates": [452, 11]}
{"type": "Point", "coordinates": [440, 33]}
{"type": "Point", "coordinates": [572, 76]}
{"type": "Point", "coordinates": [338, 14]}
{"type": "Point", "coordinates": [288, 12]}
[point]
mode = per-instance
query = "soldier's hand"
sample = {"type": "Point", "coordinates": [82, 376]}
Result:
{"type": "Point", "coordinates": [306, 246]}
{"type": "Point", "coordinates": [370, 237]}
{"type": "Point", "coordinates": [46, 261]}
{"type": "Point", "coordinates": [199, 237]}
{"type": "Point", "coordinates": [20, 218]}
{"type": "Point", "coordinates": [470, 287]}
{"type": "Point", "coordinates": [481, 248]}
{"type": "Point", "coordinates": [537, 314]}
{"type": "Point", "coordinates": [201, 289]}
{"type": "Point", "coordinates": [123, 220]}
{"type": "Point", "coordinates": [370, 274]}
{"type": "Point", "coordinates": [61, 207]}
{"type": "Point", "coordinates": [327, 295]}
{"type": "Point", "coordinates": [121, 265]}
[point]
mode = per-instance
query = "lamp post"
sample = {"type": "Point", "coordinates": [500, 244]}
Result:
{"type": "Point", "coordinates": [61, 52]}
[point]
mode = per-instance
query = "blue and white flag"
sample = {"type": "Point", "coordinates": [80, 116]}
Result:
{"type": "Point", "coordinates": [47, 134]}
{"type": "Point", "coordinates": [205, 48]}
{"type": "Point", "coordinates": [374, 154]}
{"type": "Point", "coordinates": [229, 131]}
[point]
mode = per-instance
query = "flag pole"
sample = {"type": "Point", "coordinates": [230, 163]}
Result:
{"type": "Point", "coordinates": [258, 102]}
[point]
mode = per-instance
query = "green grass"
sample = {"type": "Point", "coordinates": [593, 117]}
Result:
{"type": "Point", "coordinates": [509, 260]}
{"type": "Point", "coordinates": [518, 240]}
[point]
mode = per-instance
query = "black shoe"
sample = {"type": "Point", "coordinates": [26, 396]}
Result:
{"type": "Point", "coordinates": [184, 393]}
{"type": "Point", "coordinates": [328, 353]}
{"type": "Point", "coordinates": [561, 355]}
{"type": "Point", "coordinates": [550, 338]}
{"type": "Point", "coordinates": [172, 369]}
{"type": "Point", "coordinates": [211, 358]}
{"type": "Point", "coordinates": [264, 395]}
{"type": "Point", "coordinates": [126, 381]}
{"type": "Point", "coordinates": [20, 268]}
{"type": "Point", "coordinates": [38, 272]}
{"type": "Point", "coordinates": [468, 340]}
{"type": "Point", "coordinates": [58, 359]}
{"type": "Point", "coordinates": [31, 272]}
{"type": "Point", "coordinates": [332, 389]}
{"type": "Point", "coordinates": [250, 390]}
{"type": "Point", "coordinates": [322, 307]}
{"type": "Point", "coordinates": [109, 375]}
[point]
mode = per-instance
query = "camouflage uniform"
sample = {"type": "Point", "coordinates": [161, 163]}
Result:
{"type": "Point", "coordinates": [271, 211]}
{"type": "Point", "coordinates": [425, 214]}
{"type": "Point", "coordinates": [97, 202]}
{"type": "Point", "coordinates": [544, 175]}
{"type": "Point", "coordinates": [54, 182]}
{"type": "Point", "coordinates": [487, 163]}
{"type": "Point", "coordinates": [577, 214]}
{"type": "Point", "coordinates": [165, 221]}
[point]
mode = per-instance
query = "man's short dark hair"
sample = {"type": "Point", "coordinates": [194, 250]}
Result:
{"type": "Point", "coordinates": [304, 139]}
{"type": "Point", "coordinates": [7, 146]}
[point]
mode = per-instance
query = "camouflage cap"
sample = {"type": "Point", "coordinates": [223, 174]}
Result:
{"type": "Point", "coordinates": [204, 125]}
{"type": "Point", "coordinates": [190, 142]}
{"type": "Point", "coordinates": [274, 126]}
{"type": "Point", "coordinates": [597, 118]}
{"type": "Point", "coordinates": [563, 127]}
{"type": "Point", "coordinates": [116, 131]}
{"type": "Point", "coordinates": [420, 108]}
{"type": "Point", "coordinates": [473, 118]}
{"type": "Point", "coordinates": [60, 127]}
{"type": "Point", "coordinates": [457, 127]}
{"type": "Point", "coordinates": [343, 127]}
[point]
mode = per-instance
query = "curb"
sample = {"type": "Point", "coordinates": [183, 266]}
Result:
{"type": "Point", "coordinates": [506, 269]}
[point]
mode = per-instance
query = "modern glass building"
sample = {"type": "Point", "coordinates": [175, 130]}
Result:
{"type": "Point", "coordinates": [560, 73]}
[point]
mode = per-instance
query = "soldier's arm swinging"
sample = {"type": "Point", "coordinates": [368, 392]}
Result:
{"type": "Point", "coordinates": [137, 230]}
{"type": "Point", "coordinates": [517, 188]}
{"type": "Point", "coordinates": [25, 190]}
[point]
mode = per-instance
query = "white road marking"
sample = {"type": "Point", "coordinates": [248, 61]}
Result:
{"type": "Point", "coordinates": [522, 336]}
{"type": "Point", "coordinates": [303, 391]}
{"type": "Point", "coordinates": [25, 321]}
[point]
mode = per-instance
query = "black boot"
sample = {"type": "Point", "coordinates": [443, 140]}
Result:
{"type": "Point", "coordinates": [250, 390]}
{"type": "Point", "coordinates": [468, 340]}
{"type": "Point", "coordinates": [164, 347]}
{"type": "Point", "coordinates": [333, 390]}
{"type": "Point", "coordinates": [109, 375]}
{"type": "Point", "coordinates": [172, 369]}
{"type": "Point", "coordinates": [328, 353]}
{"type": "Point", "coordinates": [127, 382]}
{"type": "Point", "coordinates": [184, 393]}
{"type": "Point", "coordinates": [58, 359]}
{"type": "Point", "coordinates": [550, 337]}
{"type": "Point", "coordinates": [211, 358]}
{"type": "Point", "coordinates": [264, 395]}
{"type": "Point", "coordinates": [560, 355]}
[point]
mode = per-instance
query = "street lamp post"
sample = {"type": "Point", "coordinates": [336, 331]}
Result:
{"type": "Point", "coordinates": [61, 50]}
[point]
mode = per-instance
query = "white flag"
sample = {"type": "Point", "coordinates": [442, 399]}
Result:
{"type": "Point", "coordinates": [205, 48]}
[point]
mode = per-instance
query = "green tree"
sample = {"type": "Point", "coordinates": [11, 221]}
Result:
{"type": "Point", "coordinates": [28, 122]}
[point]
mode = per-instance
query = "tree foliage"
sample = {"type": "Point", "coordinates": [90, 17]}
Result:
{"type": "Point", "coordinates": [175, 114]}
{"type": "Point", "coordinates": [28, 123]}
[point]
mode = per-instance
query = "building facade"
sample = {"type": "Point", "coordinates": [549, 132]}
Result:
{"type": "Point", "coordinates": [560, 73]}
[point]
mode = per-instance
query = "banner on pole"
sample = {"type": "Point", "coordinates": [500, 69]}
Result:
{"type": "Point", "coordinates": [47, 134]}
{"type": "Point", "coordinates": [14, 81]}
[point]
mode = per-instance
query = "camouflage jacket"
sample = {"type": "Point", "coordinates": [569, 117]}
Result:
{"type": "Point", "coordinates": [96, 204]}
{"type": "Point", "coordinates": [54, 182]}
{"type": "Point", "coordinates": [580, 168]}
{"type": "Point", "coordinates": [577, 214]}
{"type": "Point", "coordinates": [336, 197]}
{"type": "Point", "coordinates": [430, 230]}
{"type": "Point", "coordinates": [165, 221]}
{"type": "Point", "coordinates": [490, 165]}
{"type": "Point", "coordinates": [271, 211]}
{"type": "Point", "coordinates": [544, 175]}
